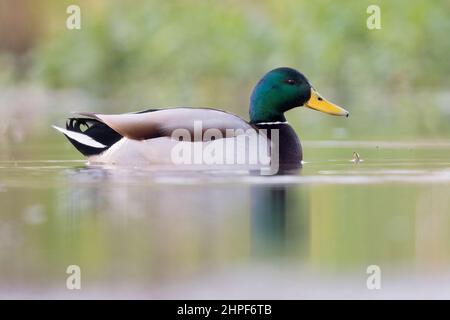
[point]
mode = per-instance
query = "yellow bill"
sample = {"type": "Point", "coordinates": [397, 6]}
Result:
{"type": "Point", "coordinates": [318, 103]}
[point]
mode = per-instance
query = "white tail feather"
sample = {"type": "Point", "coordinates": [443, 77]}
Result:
{"type": "Point", "coordinates": [81, 138]}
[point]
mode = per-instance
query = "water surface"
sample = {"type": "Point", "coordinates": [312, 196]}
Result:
{"type": "Point", "coordinates": [152, 233]}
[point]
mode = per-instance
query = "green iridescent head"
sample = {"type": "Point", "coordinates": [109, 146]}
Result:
{"type": "Point", "coordinates": [283, 89]}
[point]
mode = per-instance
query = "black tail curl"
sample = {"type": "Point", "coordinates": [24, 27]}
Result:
{"type": "Point", "coordinates": [95, 129]}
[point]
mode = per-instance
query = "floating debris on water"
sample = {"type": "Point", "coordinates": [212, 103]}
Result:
{"type": "Point", "coordinates": [356, 158]}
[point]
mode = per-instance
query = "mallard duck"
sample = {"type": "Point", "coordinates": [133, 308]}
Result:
{"type": "Point", "coordinates": [148, 136]}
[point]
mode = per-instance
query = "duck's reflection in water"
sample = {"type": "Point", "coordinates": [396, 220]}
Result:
{"type": "Point", "coordinates": [268, 215]}
{"type": "Point", "coordinates": [183, 221]}
{"type": "Point", "coordinates": [279, 215]}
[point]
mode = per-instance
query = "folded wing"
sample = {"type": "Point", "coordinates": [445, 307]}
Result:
{"type": "Point", "coordinates": [160, 123]}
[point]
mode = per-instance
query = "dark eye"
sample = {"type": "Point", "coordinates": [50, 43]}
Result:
{"type": "Point", "coordinates": [290, 81]}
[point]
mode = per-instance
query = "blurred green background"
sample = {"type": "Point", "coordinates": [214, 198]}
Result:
{"type": "Point", "coordinates": [211, 53]}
